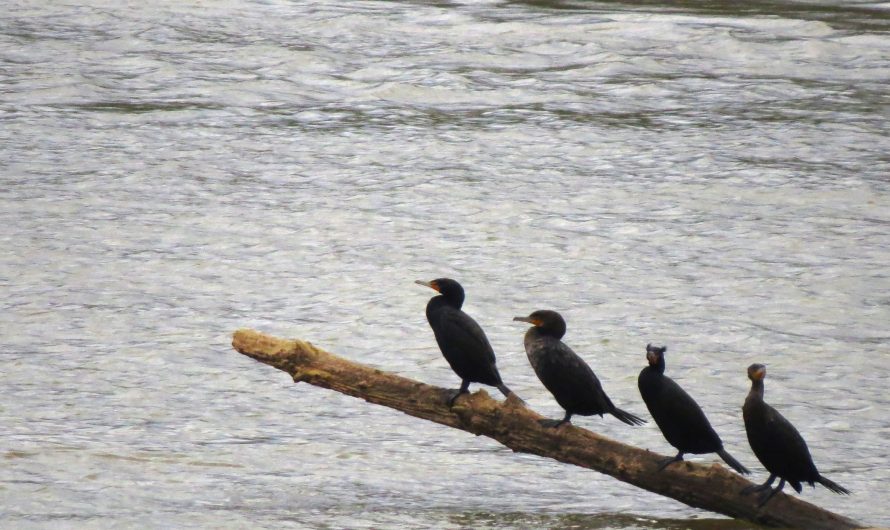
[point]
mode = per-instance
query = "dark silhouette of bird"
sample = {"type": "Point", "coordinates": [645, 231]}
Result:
{"type": "Point", "coordinates": [777, 444]}
{"type": "Point", "coordinates": [463, 343]}
{"type": "Point", "coordinates": [679, 417]}
{"type": "Point", "coordinates": [564, 373]}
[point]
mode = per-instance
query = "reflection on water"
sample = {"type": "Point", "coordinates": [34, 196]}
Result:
{"type": "Point", "coordinates": [851, 15]}
{"type": "Point", "coordinates": [580, 521]}
{"type": "Point", "coordinates": [707, 175]}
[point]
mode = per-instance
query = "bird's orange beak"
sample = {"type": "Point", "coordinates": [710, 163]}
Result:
{"type": "Point", "coordinates": [432, 285]}
{"type": "Point", "coordinates": [530, 320]}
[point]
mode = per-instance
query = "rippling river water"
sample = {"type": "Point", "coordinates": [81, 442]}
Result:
{"type": "Point", "coordinates": [706, 175]}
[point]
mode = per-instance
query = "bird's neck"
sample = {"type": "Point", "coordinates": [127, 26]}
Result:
{"type": "Point", "coordinates": [455, 300]}
{"type": "Point", "coordinates": [441, 301]}
{"type": "Point", "coordinates": [535, 335]}
{"type": "Point", "coordinates": [532, 334]}
{"type": "Point", "coordinates": [555, 330]}
{"type": "Point", "coordinates": [756, 390]}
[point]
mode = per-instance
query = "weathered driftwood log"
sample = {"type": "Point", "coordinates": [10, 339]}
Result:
{"type": "Point", "coordinates": [709, 487]}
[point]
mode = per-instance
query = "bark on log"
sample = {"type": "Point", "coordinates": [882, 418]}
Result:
{"type": "Point", "coordinates": [709, 487]}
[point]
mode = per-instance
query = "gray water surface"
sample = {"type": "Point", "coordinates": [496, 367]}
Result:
{"type": "Point", "coordinates": [707, 175]}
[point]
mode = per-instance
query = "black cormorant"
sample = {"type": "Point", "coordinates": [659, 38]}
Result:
{"type": "Point", "coordinates": [777, 444]}
{"type": "Point", "coordinates": [564, 373]}
{"type": "Point", "coordinates": [462, 341]}
{"type": "Point", "coordinates": [679, 417]}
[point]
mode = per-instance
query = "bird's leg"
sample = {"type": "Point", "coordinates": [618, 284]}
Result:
{"type": "Point", "coordinates": [769, 495]}
{"type": "Point", "coordinates": [556, 423]}
{"type": "Point", "coordinates": [760, 487]}
{"type": "Point", "coordinates": [668, 461]}
{"type": "Point", "coordinates": [464, 389]}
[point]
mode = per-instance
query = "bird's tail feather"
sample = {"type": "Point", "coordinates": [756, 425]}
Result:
{"type": "Point", "coordinates": [732, 462]}
{"type": "Point", "coordinates": [627, 417]}
{"type": "Point", "coordinates": [833, 486]}
{"type": "Point", "coordinates": [507, 392]}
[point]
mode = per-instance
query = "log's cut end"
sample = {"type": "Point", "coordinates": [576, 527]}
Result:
{"type": "Point", "coordinates": [283, 354]}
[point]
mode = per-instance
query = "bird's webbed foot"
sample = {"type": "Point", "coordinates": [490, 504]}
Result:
{"type": "Point", "coordinates": [755, 489]}
{"type": "Point", "coordinates": [765, 497]}
{"type": "Point", "coordinates": [557, 423]}
{"type": "Point", "coordinates": [552, 424]}
{"type": "Point", "coordinates": [454, 395]}
{"type": "Point", "coordinates": [464, 389]}
{"type": "Point", "coordinates": [668, 461]}
{"type": "Point", "coordinates": [765, 490]}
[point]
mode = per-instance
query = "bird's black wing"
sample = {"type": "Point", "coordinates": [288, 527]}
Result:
{"type": "Point", "coordinates": [790, 449]}
{"type": "Point", "coordinates": [682, 420]}
{"type": "Point", "coordinates": [464, 334]}
{"type": "Point", "coordinates": [572, 381]}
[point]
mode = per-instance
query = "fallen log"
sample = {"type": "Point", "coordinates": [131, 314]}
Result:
{"type": "Point", "coordinates": [709, 487]}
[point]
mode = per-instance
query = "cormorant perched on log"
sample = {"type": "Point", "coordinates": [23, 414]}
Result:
{"type": "Point", "coordinates": [462, 341]}
{"type": "Point", "coordinates": [777, 444]}
{"type": "Point", "coordinates": [564, 373]}
{"type": "Point", "coordinates": [679, 417]}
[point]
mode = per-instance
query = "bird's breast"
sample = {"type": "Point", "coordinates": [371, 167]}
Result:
{"type": "Point", "coordinates": [535, 349]}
